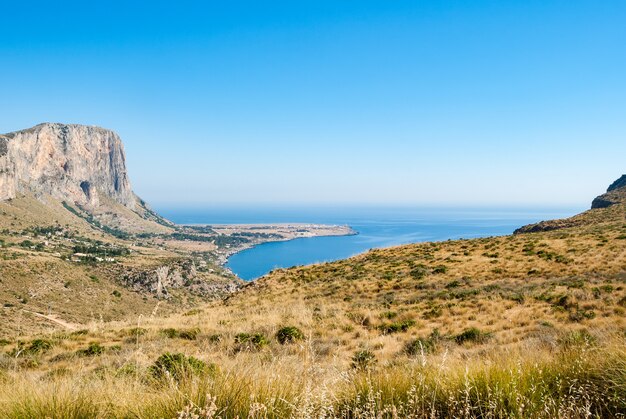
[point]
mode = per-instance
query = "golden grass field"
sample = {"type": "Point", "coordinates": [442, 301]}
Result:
{"type": "Point", "coordinates": [527, 325]}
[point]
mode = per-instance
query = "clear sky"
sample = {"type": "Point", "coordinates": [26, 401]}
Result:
{"type": "Point", "coordinates": [384, 102]}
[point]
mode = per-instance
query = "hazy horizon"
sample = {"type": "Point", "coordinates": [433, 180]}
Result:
{"type": "Point", "coordinates": [345, 103]}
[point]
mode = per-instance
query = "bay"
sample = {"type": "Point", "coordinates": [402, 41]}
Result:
{"type": "Point", "coordinates": [376, 227]}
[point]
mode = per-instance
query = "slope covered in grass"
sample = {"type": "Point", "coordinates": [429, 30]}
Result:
{"type": "Point", "coordinates": [527, 325]}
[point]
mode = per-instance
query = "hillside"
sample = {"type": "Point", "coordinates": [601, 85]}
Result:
{"type": "Point", "coordinates": [527, 325]}
{"type": "Point", "coordinates": [78, 245]}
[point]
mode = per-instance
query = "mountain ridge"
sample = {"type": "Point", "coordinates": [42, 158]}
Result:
{"type": "Point", "coordinates": [82, 166]}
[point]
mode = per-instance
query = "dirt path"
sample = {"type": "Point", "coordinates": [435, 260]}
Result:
{"type": "Point", "coordinates": [53, 319]}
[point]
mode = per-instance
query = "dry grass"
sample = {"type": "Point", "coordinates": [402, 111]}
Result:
{"type": "Point", "coordinates": [578, 378]}
{"type": "Point", "coordinates": [529, 325]}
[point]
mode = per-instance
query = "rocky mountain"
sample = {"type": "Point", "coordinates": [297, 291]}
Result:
{"type": "Point", "coordinates": [83, 167]}
{"type": "Point", "coordinates": [615, 196]}
{"type": "Point", "coordinates": [73, 163]}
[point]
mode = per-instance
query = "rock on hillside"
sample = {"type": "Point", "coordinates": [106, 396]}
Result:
{"type": "Point", "coordinates": [73, 163]}
{"type": "Point", "coordinates": [615, 194]}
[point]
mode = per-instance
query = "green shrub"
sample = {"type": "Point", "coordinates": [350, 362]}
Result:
{"type": "Point", "coordinates": [94, 349]}
{"type": "Point", "coordinates": [440, 269]}
{"type": "Point", "coordinates": [215, 338]}
{"type": "Point", "coordinates": [251, 341]}
{"type": "Point", "coordinates": [395, 327]}
{"type": "Point", "coordinates": [37, 346]}
{"type": "Point", "coordinates": [580, 315]}
{"type": "Point", "coordinates": [471, 335]}
{"type": "Point", "coordinates": [188, 334]}
{"type": "Point", "coordinates": [433, 313]}
{"type": "Point", "coordinates": [425, 345]}
{"type": "Point", "coordinates": [27, 244]}
{"type": "Point", "coordinates": [289, 334]}
{"type": "Point", "coordinates": [136, 331]}
{"type": "Point", "coordinates": [419, 272]}
{"type": "Point", "coordinates": [170, 333]}
{"type": "Point", "coordinates": [607, 288]}
{"type": "Point", "coordinates": [363, 360]}
{"type": "Point", "coordinates": [178, 366]}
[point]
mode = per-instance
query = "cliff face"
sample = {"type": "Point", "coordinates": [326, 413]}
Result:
{"type": "Point", "coordinates": [73, 163]}
{"type": "Point", "coordinates": [615, 194]}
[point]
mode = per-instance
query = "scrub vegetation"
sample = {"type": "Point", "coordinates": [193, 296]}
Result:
{"type": "Point", "coordinates": [527, 325]}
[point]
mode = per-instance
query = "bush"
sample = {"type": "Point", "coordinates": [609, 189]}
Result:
{"type": "Point", "coordinates": [215, 338]}
{"type": "Point", "coordinates": [178, 366]}
{"type": "Point", "coordinates": [94, 349]}
{"type": "Point", "coordinates": [251, 341]}
{"type": "Point", "coordinates": [39, 346]}
{"type": "Point", "coordinates": [453, 284]}
{"type": "Point", "coordinates": [471, 335]}
{"type": "Point", "coordinates": [395, 327]}
{"type": "Point", "coordinates": [363, 360]}
{"type": "Point", "coordinates": [388, 315]}
{"type": "Point", "coordinates": [289, 334]}
{"type": "Point", "coordinates": [425, 345]}
{"type": "Point", "coordinates": [189, 334]}
{"type": "Point", "coordinates": [441, 269]}
{"type": "Point", "coordinates": [136, 331]}
{"type": "Point", "coordinates": [170, 333]}
{"type": "Point", "coordinates": [433, 313]}
{"type": "Point", "coordinates": [419, 272]}
{"type": "Point", "coordinates": [580, 315]}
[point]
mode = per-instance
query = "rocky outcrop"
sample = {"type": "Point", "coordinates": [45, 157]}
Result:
{"type": "Point", "coordinates": [548, 225]}
{"type": "Point", "coordinates": [615, 194]}
{"type": "Point", "coordinates": [74, 163]}
{"type": "Point", "coordinates": [175, 274]}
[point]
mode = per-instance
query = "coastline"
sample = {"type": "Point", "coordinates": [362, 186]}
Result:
{"type": "Point", "coordinates": [257, 234]}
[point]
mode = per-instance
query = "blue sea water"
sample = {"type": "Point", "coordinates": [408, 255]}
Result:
{"type": "Point", "coordinates": [376, 227]}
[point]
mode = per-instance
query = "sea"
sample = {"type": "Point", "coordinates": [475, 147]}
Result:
{"type": "Point", "coordinates": [377, 227]}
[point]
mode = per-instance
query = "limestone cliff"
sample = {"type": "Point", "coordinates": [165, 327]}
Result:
{"type": "Point", "coordinates": [73, 163]}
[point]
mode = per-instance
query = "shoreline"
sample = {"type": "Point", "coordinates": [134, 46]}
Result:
{"type": "Point", "coordinates": [260, 233]}
{"type": "Point", "coordinates": [250, 246]}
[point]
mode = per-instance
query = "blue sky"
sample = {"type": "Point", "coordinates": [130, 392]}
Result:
{"type": "Point", "coordinates": [317, 102]}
